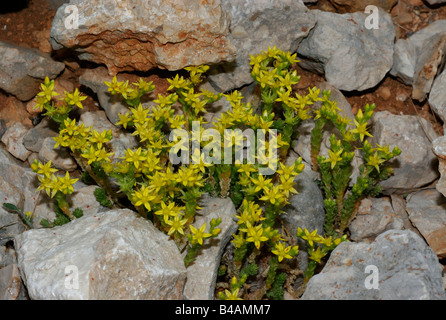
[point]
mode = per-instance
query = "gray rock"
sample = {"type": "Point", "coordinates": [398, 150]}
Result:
{"type": "Point", "coordinates": [202, 273]}
{"type": "Point", "coordinates": [23, 69]}
{"type": "Point", "coordinates": [116, 255]}
{"type": "Point", "coordinates": [11, 287]}
{"type": "Point", "coordinates": [33, 139]}
{"type": "Point", "coordinates": [60, 158]}
{"type": "Point", "coordinates": [437, 96]}
{"type": "Point", "coordinates": [439, 149]}
{"type": "Point", "coordinates": [399, 208]}
{"type": "Point", "coordinates": [178, 34]}
{"type": "Point", "coordinates": [13, 140]}
{"type": "Point", "coordinates": [113, 105]}
{"type": "Point", "coordinates": [306, 209]}
{"type": "Point", "coordinates": [256, 25]}
{"type": "Point", "coordinates": [374, 216]}
{"type": "Point", "coordinates": [7, 256]}
{"type": "Point", "coordinates": [17, 175]}
{"type": "Point", "coordinates": [429, 63]}
{"type": "Point", "coordinates": [406, 269]}
{"type": "Point", "coordinates": [10, 223]}
{"type": "Point", "coordinates": [351, 56]}
{"type": "Point", "coordinates": [408, 51]}
{"type": "Point", "coordinates": [416, 166]}
{"type": "Point", "coordinates": [427, 213]}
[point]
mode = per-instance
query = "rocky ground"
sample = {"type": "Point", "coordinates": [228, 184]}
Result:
{"type": "Point", "coordinates": [399, 67]}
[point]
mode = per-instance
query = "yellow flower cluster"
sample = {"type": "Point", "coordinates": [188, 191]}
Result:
{"type": "Point", "coordinates": [51, 183]}
{"type": "Point", "coordinates": [318, 246]}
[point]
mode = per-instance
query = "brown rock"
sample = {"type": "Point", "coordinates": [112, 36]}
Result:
{"type": "Point", "coordinates": [43, 39]}
{"type": "Point", "coordinates": [359, 5]}
{"type": "Point", "coordinates": [12, 110]}
{"type": "Point", "coordinates": [385, 93]}
{"type": "Point", "coordinates": [176, 35]}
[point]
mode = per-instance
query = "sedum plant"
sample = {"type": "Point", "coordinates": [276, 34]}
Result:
{"type": "Point", "coordinates": [163, 178]}
{"type": "Point", "coordinates": [341, 201]}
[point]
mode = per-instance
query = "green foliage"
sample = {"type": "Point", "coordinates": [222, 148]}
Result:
{"type": "Point", "coordinates": [102, 198]}
{"type": "Point", "coordinates": [168, 192]}
{"type": "Point", "coordinates": [341, 201]}
{"type": "Point", "coordinates": [276, 291]}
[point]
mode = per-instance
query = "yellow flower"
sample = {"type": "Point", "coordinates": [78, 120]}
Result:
{"type": "Point", "coordinates": [176, 225]}
{"type": "Point", "coordinates": [47, 89]}
{"type": "Point", "coordinates": [124, 119]}
{"type": "Point", "coordinates": [272, 194]}
{"type": "Point", "coordinates": [177, 83]}
{"type": "Point", "coordinates": [255, 234]}
{"type": "Point", "coordinates": [45, 169]}
{"type": "Point", "coordinates": [261, 183]}
{"type": "Point", "coordinates": [232, 295]}
{"type": "Point", "coordinates": [143, 197]}
{"type": "Point", "coordinates": [199, 234]}
{"type": "Point", "coordinates": [311, 237]}
{"type": "Point", "coordinates": [334, 157]}
{"type": "Point", "coordinates": [375, 161]}
{"type": "Point", "coordinates": [281, 251]}
{"type": "Point", "coordinates": [66, 184]}
{"type": "Point", "coordinates": [74, 98]}
{"type": "Point", "coordinates": [134, 157]}
{"type": "Point", "coordinates": [317, 255]}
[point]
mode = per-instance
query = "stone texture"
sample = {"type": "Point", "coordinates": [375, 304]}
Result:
{"type": "Point", "coordinates": [13, 110]}
{"type": "Point", "coordinates": [416, 166]}
{"type": "Point", "coordinates": [13, 140]}
{"type": "Point", "coordinates": [306, 209]}
{"type": "Point", "coordinates": [351, 56]}
{"type": "Point", "coordinates": [407, 270]}
{"type": "Point", "coordinates": [429, 63]}
{"type": "Point", "coordinates": [374, 216]}
{"type": "Point", "coordinates": [113, 105]}
{"type": "Point", "coordinates": [33, 139]}
{"type": "Point", "coordinates": [54, 4]}
{"type": "Point", "coordinates": [202, 273]}
{"type": "Point", "coordinates": [355, 5]}
{"type": "Point", "coordinates": [178, 34]}
{"type": "Point", "coordinates": [118, 255]}
{"type": "Point", "coordinates": [439, 149]}
{"type": "Point", "coordinates": [11, 287]}
{"type": "Point", "coordinates": [437, 96]}
{"type": "Point", "coordinates": [408, 51]}
{"type": "Point", "coordinates": [10, 223]}
{"type": "Point", "coordinates": [60, 157]}
{"type": "Point", "coordinates": [23, 69]}
{"type": "Point", "coordinates": [427, 213]}
{"type": "Point", "coordinates": [20, 180]}
{"type": "Point", "coordinates": [256, 25]}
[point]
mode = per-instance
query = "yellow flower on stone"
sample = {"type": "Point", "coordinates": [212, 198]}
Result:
{"type": "Point", "coordinates": [199, 234]}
